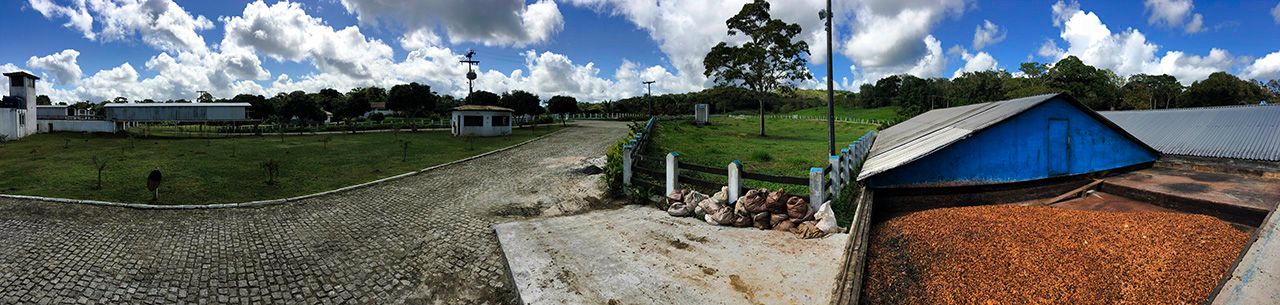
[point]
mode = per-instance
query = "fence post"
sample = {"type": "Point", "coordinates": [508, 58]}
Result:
{"type": "Point", "coordinates": [735, 180]}
{"type": "Point", "coordinates": [836, 168]}
{"type": "Point", "coordinates": [846, 166]}
{"type": "Point", "coordinates": [673, 177]}
{"type": "Point", "coordinates": [816, 192]}
{"type": "Point", "coordinates": [626, 163]}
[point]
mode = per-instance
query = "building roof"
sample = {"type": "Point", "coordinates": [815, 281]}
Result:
{"type": "Point", "coordinates": [22, 73]}
{"type": "Point", "coordinates": [114, 105]}
{"type": "Point", "coordinates": [481, 108]}
{"type": "Point", "coordinates": [1237, 132]}
{"type": "Point", "coordinates": [932, 131]}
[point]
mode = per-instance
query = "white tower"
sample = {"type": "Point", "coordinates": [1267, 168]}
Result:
{"type": "Point", "coordinates": [18, 110]}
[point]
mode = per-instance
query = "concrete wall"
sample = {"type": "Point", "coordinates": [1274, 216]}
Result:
{"type": "Point", "coordinates": [1022, 149]}
{"type": "Point", "coordinates": [9, 126]}
{"type": "Point", "coordinates": [184, 113]}
{"type": "Point", "coordinates": [77, 126]}
{"type": "Point", "coordinates": [488, 130]}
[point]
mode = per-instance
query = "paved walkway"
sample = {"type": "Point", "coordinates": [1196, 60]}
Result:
{"type": "Point", "coordinates": [422, 239]}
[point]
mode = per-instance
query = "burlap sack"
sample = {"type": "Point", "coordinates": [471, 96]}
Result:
{"type": "Point", "coordinates": [776, 202]}
{"type": "Point", "coordinates": [761, 220]}
{"type": "Point", "coordinates": [797, 208]}
{"type": "Point", "coordinates": [751, 203]}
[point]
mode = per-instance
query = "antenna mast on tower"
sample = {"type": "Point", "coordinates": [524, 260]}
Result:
{"type": "Point", "coordinates": [471, 72]}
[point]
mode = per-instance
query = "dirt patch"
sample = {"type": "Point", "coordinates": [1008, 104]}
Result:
{"type": "Point", "coordinates": [678, 244]}
{"type": "Point", "coordinates": [1209, 177]}
{"type": "Point", "coordinates": [1022, 255]}
{"type": "Point", "coordinates": [708, 270]}
{"type": "Point", "coordinates": [1188, 187]}
{"type": "Point", "coordinates": [738, 285]}
{"type": "Point", "coordinates": [516, 210]}
{"type": "Point", "coordinates": [698, 239]}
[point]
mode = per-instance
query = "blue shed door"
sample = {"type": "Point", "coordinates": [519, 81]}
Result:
{"type": "Point", "coordinates": [1059, 148]}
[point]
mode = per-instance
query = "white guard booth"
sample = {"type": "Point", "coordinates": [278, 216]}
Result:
{"type": "Point", "coordinates": [481, 121]}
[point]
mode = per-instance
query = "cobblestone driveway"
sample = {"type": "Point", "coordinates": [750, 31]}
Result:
{"type": "Point", "coordinates": [422, 239]}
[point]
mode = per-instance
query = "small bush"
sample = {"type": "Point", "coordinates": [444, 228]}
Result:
{"type": "Point", "coordinates": [761, 156]}
{"type": "Point", "coordinates": [613, 162]}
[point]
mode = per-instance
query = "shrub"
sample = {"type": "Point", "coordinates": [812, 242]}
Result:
{"type": "Point", "coordinates": [377, 117]}
{"type": "Point", "coordinates": [613, 162]}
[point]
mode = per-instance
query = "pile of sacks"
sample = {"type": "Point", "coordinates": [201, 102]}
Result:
{"type": "Point", "coordinates": [758, 208]}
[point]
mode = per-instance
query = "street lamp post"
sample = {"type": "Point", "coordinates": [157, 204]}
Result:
{"type": "Point", "coordinates": [831, 95]}
{"type": "Point", "coordinates": [649, 96]}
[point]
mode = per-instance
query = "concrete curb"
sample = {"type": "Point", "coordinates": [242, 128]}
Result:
{"type": "Point", "coordinates": [270, 202]}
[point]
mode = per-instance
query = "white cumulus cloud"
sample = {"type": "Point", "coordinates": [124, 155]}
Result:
{"type": "Point", "coordinates": [982, 61]}
{"type": "Point", "coordinates": [161, 24]}
{"type": "Point", "coordinates": [986, 34]}
{"type": "Point", "coordinates": [62, 65]}
{"type": "Point", "coordinates": [1128, 52]}
{"type": "Point", "coordinates": [1265, 68]}
{"type": "Point", "coordinates": [1174, 13]}
{"type": "Point", "coordinates": [490, 22]}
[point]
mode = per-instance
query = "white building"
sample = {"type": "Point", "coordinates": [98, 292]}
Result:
{"type": "Point", "coordinates": [18, 110]}
{"type": "Point", "coordinates": [483, 121]}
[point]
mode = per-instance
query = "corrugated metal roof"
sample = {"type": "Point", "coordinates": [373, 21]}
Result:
{"type": "Point", "coordinates": [481, 108]}
{"type": "Point", "coordinates": [1237, 132]}
{"type": "Point", "coordinates": [931, 131]}
{"type": "Point", "coordinates": [934, 130]}
{"type": "Point", "coordinates": [114, 105]}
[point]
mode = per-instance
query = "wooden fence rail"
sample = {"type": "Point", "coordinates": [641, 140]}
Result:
{"type": "Point", "coordinates": [824, 182]}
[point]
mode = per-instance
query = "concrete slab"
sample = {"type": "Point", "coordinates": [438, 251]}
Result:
{"type": "Point", "coordinates": [639, 255]}
{"type": "Point", "coordinates": [1257, 275]}
{"type": "Point", "coordinates": [1254, 193]}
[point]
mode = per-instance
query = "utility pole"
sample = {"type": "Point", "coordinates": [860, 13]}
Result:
{"type": "Point", "coordinates": [471, 72]}
{"type": "Point", "coordinates": [649, 96]}
{"type": "Point", "coordinates": [831, 94]}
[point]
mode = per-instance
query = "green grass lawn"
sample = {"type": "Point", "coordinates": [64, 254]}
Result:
{"type": "Point", "coordinates": [224, 170]}
{"type": "Point", "coordinates": [880, 114]}
{"type": "Point", "coordinates": [792, 147]}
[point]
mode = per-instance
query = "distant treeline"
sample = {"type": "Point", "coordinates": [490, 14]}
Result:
{"type": "Point", "coordinates": [1100, 89]}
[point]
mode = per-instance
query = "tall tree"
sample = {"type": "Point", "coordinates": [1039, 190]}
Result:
{"type": "Point", "coordinates": [300, 105]}
{"type": "Point", "coordinates": [1222, 88]}
{"type": "Point", "coordinates": [360, 100]}
{"type": "Point", "coordinates": [772, 59]}
{"type": "Point", "coordinates": [562, 105]}
{"type": "Point", "coordinates": [522, 102]}
{"type": "Point", "coordinates": [483, 98]}
{"type": "Point", "coordinates": [412, 99]}
{"type": "Point", "coordinates": [1091, 86]}
{"type": "Point", "coordinates": [979, 87]}
{"type": "Point", "coordinates": [1161, 91]}
{"type": "Point", "coordinates": [259, 108]}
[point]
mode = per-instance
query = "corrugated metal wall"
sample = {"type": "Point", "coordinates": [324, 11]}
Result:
{"type": "Point", "coordinates": [1241, 132]}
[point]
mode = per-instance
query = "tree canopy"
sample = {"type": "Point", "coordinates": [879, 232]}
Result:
{"type": "Point", "coordinates": [522, 102]}
{"type": "Point", "coordinates": [483, 98]}
{"type": "Point", "coordinates": [411, 99]}
{"type": "Point", "coordinates": [771, 60]}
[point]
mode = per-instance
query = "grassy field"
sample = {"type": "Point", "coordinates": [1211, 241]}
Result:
{"type": "Point", "coordinates": [792, 147]}
{"type": "Point", "coordinates": [224, 170]}
{"type": "Point", "coordinates": [881, 114]}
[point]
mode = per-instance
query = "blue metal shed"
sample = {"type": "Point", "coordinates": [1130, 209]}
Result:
{"type": "Point", "coordinates": [1016, 140]}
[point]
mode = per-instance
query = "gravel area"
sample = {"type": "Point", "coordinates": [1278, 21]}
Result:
{"type": "Point", "coordinates": [425, 239]}
{"type": "Point", "coordinates": [1043, 255]}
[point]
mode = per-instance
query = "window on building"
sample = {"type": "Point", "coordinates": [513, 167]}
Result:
{"type": "Point", "coordinates": [473, 121]}
{"type": "Point", "coordinates": [16, 82]}
{"type": "Point", "coordinates": [501, 121]}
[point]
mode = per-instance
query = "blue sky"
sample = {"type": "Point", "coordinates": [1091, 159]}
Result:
{"type": "Point", "coordinates": [596, 49]}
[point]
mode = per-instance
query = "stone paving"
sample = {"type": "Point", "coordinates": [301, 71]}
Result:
{"type": "Point", "coordinates": [423, 239]}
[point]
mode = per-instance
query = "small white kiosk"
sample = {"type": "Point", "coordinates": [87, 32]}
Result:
{"type": "Point", "coordinates": [481, 121]}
